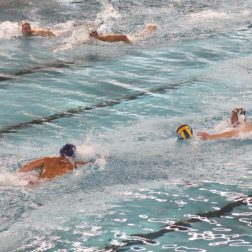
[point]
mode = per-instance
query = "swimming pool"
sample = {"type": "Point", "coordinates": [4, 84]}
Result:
{"type": "Point", "coordinates": [147, 191]}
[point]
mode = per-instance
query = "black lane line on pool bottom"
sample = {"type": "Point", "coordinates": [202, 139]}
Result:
{"type": "Point", "coordinates": [79, 110]}
{"type": "Point", "coordinates": [5, 77]}
{"type": "Point", "coordinates": [39, 68]}
{"type": "Point", "coordinates": [141, 239]}
{"type": "Point", "coordinates": [47, 66]}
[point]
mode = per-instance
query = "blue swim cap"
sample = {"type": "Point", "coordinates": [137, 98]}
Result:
{"type": "Point", "coordinates": [184, 131]}
{"type": "Point", "coordinates": [68, 150]}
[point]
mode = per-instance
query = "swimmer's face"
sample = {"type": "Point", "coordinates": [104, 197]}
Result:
{"type": "Point", "coordinates": [151, 27]}
{"type": "Point", "coordinates": [93, 34]}
{"type": "Point", "coordinates": [26, 29]}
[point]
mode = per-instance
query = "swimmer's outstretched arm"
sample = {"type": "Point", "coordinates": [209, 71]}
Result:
{"type": "Point", "coordinates": [33, 165]}
{"type": "Point", "coordinates": [227, 134]}
{"type": "Point", "coordinates": [43, 33]}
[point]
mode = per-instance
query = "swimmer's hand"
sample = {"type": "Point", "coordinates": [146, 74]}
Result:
{"type": "Point", "coordinates": [204, 135]}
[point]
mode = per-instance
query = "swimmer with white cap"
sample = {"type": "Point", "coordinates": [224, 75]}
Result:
{"type": "Point", "coordinates": [239, 125]}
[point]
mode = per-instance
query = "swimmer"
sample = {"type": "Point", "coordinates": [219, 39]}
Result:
{"type": "Point", "coordinates": [121, 37]}
{"type": "Point", "coordinates": [51, 167]}
{"type": "Point", "coordinates": [109, 37]}
{"type": "Point", "coordinates": [27, 31]}
{"type": "Point", "coordinates": [239, 125]}
{"type": "Point", "coordinates": [149, 28]}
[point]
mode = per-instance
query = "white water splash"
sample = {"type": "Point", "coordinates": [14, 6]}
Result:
{"type": "Point", "coordinates": [106, 18]}
{"type": "Point", "coordinates": [149, 30]}
{"type": "Point", "coordinates": [208, 14]}
{"type": "Point", "coordinates": [92, 152]}
{"type": "Point", "coordinates": [9, 30]}
{"type": "Point", "coordinates": [74, 35]}
{"type": "Point", "coordinates": [8, 179]}
{"type": "Point", "coordinates": [78, 35]}
{"type": "Point", "coordinates": [222, 126]}
{"type": "Point", "coordinates": [64, 29]}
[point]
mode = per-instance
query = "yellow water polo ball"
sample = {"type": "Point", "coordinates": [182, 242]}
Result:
{"type": "Point", "coordinates": [184, 131]}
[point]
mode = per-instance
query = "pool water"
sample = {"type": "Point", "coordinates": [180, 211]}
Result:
{"type": "Point", "coordinates": [121, 104]}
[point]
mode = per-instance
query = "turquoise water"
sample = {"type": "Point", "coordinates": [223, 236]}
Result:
{"type": "Point", "coordinates": [121, 104]}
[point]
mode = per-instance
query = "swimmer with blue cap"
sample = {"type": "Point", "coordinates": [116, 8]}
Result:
{"type": "Point", "coordinates": [68, 150]}
{"type": "Point", "coordinates": [239, 126]}
{"type": "Point", "coordinates": [51, 167]}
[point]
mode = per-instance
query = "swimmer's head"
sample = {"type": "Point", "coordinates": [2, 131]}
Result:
{"type": "Point", "coordinates": [92, 32]}
{"type": "Point", "coordinates": [238, 116]}
{"type": "Point", "coordinates": [68, 150]}
{"type": "Point", "coordinates": [151, 27]}
{"type": "Point", "coordinates": [184, 132]}
{"type": "Point", "coordinates": [26, 28]}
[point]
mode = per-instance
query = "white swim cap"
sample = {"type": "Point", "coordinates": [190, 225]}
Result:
{"type": "Point", "coordinates": [24, 22]}
{"type": "Point", "coordinates": [90, 30]}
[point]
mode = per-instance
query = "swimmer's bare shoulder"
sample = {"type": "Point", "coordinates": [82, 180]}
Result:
{"type": "Point", "coordinates": [55, 166]}
{"type": "Point", "coordinates": [55, 163]}
{"type": "Point", "coordinates": [35, 164]}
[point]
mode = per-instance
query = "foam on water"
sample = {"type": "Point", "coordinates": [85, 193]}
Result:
{"type": "Point", "coordinates": [80, 35]}
{"type": "Point", "coordinates": [8, 179]}
{"type": "Point", "coordinates": [208, 14]}
{"type": "Point", "coordinates": [74, 36]}
{"type": "Point", "coordinates": [107, 17]}
{"type": "Point", "coordinates": [94, 152]}
{"type": "Point", "coordinates": [9, 30]}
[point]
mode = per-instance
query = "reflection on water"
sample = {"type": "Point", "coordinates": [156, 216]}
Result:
{"type": "Point", "coordinates": [152, 219]}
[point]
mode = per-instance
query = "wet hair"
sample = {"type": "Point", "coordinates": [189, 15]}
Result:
{"type": "Point", "coordinates": [240, 114]}
{"type": "Point", "coordinates": [68, 150]}
{"type": "Point", "coordinates": [25, 23]}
